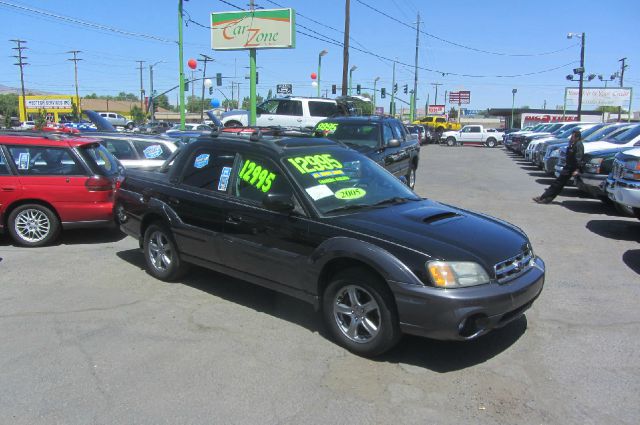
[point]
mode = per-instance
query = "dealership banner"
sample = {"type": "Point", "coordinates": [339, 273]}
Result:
{"type": "Point", "coordinates": [257, 29]}
{"type": "Point", "coordinates": [436, 110]}
{"type": "Point", "coordinates": [599, 96]}
{"type": "Point", "coordinates": [48, 103]}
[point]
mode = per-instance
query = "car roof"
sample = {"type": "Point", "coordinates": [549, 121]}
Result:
{"type": "Point", "coordinates": [276, 145]}
{"type": "Point", "coordinates": [38, 140]}
{"type": "Point", "coordinates": [371, 119]}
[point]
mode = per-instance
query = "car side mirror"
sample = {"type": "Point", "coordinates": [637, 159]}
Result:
{"type": "Point", "coordinates": [393, 143]}
{"type": "Point", "coordinates": [279, 202]}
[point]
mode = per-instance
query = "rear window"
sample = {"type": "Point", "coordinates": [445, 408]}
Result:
{"type": "Point", "coordinates": [322, 109]}
{"type": "Point", "coordinates": [99, 160]}
{"type": "Point", "coordinates": [45, 161]}
{"type": "Point", "coordinates": [150, 150]}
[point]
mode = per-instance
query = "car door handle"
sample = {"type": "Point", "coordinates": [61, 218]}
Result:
{"type": "Point", "coordinates": [234, 219]}
{"type": "Point", "coordinates": [299, 120]}
{"type": "Point", "coordinates": [9, 188]}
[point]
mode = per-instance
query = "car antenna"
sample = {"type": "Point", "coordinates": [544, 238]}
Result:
{"type": "Point", "coordinates": [256, 135]}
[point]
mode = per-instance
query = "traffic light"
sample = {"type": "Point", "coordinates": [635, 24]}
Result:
{"type": "Point", "coordinates": [334, 89]}
{"type": "Point", "coordinates": [383, 92]}
{"type": "Point", "coordinates": [395, 88]}
{"type": "Point", "coordinates": [218, 79]}
{"type": "Point", "coordinates": [358, 89]}
{"type": "Point", "coordinates": [210, 90]}
{"type": "Point", "coordinates": [186, 86]}
{"type": "Point", "coordinates": [406, 88]}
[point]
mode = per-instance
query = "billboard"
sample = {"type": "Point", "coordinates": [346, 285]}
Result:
{"type": "Point", "coordinates": [537, 118]}
{"type": "Point", "coordinates": [257, 29]}
{"type": "Point", "coordinates": [436, 110]}
{"type": "Point", "coordinates": [462, 97]}
{"type": "Point", "coordinates": [599, 96]}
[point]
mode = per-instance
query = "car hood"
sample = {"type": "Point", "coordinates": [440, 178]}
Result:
{"type": "Point", "coordinates": [605, 153]}
{"type": "Point", "coordinates": [440, 231]}
{"type": "Point", "coordinates": [602, 145]}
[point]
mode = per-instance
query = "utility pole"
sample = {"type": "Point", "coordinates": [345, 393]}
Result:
{"type": "Point", "coordinates": [19, 47]}
{"type": "Point", "coordinates": [581, 77]}
{"type": "Point", "coordinates": [75, 67]}
{"type": "Point", "coordinates": [141, 86]}
{"type": "Point", "coordinates": [545, 104]}
{"type": "Point", "coordinates": [435, 101]}
{"type": "Point", "coordinates": [252, 78]}
{"type": "Point", "coordinates": [623, 66]}
{"type": "Point", "coordinates": [345, 50]}
{"type": "Point", "coordinates": [415, 73]}
{"type": "Point", "coordinates": [204, 59]}
{"type": "Point", "coordinates": [392, 107]}
{"type": "Point", "coordinates": [181, 66]}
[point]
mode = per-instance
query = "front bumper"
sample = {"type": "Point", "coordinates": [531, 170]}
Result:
{"type": "Point", "coordinates": [625, 192]}
{"type": "Point", "coordinates": [591, 183]}
{"type": "Point", "coordinates": [466, 313]}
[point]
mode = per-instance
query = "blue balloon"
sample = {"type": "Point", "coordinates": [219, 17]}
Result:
{"type": "Point", "coordinates": [215, 103]}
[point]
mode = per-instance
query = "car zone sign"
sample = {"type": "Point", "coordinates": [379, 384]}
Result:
{"type": "Point", "coordinates": [253, 29]}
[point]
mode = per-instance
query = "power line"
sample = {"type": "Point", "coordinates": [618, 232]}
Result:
{"type": "Point", "coordinates": [88, 24]}
{"type": "Point", "coordinates": [462, 45]}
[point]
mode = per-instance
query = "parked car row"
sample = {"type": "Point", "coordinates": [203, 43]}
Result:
{"type": "Point", "coordinates": [609, 171]}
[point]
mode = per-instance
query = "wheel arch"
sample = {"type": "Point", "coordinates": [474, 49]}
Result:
{"type": "Point", "coordinates": [25, 201]}
{"type": "Point", "coordinates": [148, 220]}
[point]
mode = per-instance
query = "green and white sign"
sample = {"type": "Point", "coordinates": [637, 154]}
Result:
{"type": "Point", "coordinates": [257, 29]}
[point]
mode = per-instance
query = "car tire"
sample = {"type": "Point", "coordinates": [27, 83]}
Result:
{"type": "Point", "coordinates": [359, 311]}
{"type": "Point", "coordinates": [451, 141]}
{"type": "Point", "coordinates": [33, 225]}
{"type": "Point", "coordinates": [491, 143]}
{"type": "Point", "coordinates": [161, 254]}
{"type": "Point", "coordinates": [411, 177]}
{"type": "Point", "coordinates": [129, 126]}
{"type": "Point", "coordinates": [624, 210]}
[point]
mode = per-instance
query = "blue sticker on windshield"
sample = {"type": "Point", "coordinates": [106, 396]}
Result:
{"type": "Point", "coordinates": [224, 179]}
{"type": "Point", "coordinates": [152, 152]}
{"type": "Point", "coordinates": [201, 160]}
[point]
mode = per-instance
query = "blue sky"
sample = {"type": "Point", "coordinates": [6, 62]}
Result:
{"type": "Point", "coordinates": [514, 28]}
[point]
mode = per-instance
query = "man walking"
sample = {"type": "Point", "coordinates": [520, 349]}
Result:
{"type": "Point", "coordinates": [575, 151]}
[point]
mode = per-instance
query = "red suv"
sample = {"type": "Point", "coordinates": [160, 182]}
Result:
{"type": "Point", "coordinates": [50, 183]}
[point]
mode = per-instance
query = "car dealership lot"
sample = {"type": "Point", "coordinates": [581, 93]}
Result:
{"type": "Point", "coordinates": [89, 337]}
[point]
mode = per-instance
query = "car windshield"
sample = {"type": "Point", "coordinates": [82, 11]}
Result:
{"type": "Point", "coordinates": [351, 134]}
{"type": "Point", "coordinates": [340, 180]}
{"type": "Point", "coordinates": [602, 133]}
{"type": "Point", "coordinates": [626, 136]}
{"type": "Point", "coordinates": [100, 160]}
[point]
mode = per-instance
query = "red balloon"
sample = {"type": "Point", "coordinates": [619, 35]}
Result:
{"type": "Point", "coordinates": [314, 75]}
{"type": "Point", "coordinates": [192, 63]}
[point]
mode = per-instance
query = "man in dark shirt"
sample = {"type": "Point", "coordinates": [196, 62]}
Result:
{"type": "Point", "coordinates": [575, 152]}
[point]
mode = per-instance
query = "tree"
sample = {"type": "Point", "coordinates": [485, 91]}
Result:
{"type": "Point", "coordinates": [612, 109]}
{"type": "Point", "coordinates": [246, 101]}
{"type": "Point", "coordinates": [75, 112]}
{"type": "Point", "coordinates": [137, 114]}
{"type": "Point", "coordinates": [453, 112]}
{"type": "Point", "coordinates": [8, 106]}
{"type": "Point", "coordinates": [195, 104]}
{"type": "Point", "coordinates": [229, 104]}
{"type": "Point", "coordinates": [269, 94]}
{"type": "Point", "coordinates": [525, 107]}
{"type": "Point", "coordinates": [41, 119]}
{"type": "Point", "coordinates": [162, 101]}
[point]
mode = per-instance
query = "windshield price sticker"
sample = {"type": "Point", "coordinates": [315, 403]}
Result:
{"type": "Point", "coordinates": [313, 163]}
{"type": "Point", "coordinates": [349, 193]}
{"type": "Point", "coordinates": [201, 160]}
{"type": "Point", "coordinates": [152, 151]}
{"type": "Point", "coordinates": [327, 127]}
{"type": "Point", "coordinates": [257, 176]}
{"type": "Point", "coordinates": [319, 192]}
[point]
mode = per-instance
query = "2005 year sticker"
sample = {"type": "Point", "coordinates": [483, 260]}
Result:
{"type": "Point", "coordinates": [350, 193]}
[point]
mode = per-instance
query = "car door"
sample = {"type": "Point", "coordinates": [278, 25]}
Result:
{"type": "Point", "coordinates": [266, 113]}
{"type": "Point", "coordinates": [53, 174]}
{"type": "Point", "coordinates": [260, 242]}
{"type": "Point", "coordinates": [200, 199]}
{"type": "Point", "coordinates": [10, 189]}
{"type": "Point", "coordinates": [290, 113]}
{"type": "Point", "coordinates": [398, 157]}
{"type": "Point", "coordinates": [319, 110]}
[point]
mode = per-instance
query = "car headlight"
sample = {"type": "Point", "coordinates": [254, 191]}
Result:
{"type": "Point", "coordinates": [631, 170]}
{"type": "Point", "coordinates": [456, 274]}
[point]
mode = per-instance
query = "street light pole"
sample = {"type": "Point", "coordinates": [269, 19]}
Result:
{"type": "Point", "coordinates": [513, 104]}
{"type": "Point", "coordinates": [204, 59]}
{"type": "Point", "coordinates": [322, 53]}
{"type": "Point", "coordinates": [353, 68]}
{"type": "Point", "coordinates": [152, 94]}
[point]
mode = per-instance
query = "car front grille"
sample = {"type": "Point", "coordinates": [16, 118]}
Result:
{"type": "Point", "coordinates": [617, 170]}
{"type": "Point", "coordinates": [514, 266]}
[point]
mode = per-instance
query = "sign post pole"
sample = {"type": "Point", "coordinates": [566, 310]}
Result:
{"type": "Point", "coordinates": [181, 62]}
{"type": "Point", "coordinates": [564, 108]}
{"type": "Point", "coordinates": [252, 87]}
{"type": "Point", "coordinates": [629, 113]}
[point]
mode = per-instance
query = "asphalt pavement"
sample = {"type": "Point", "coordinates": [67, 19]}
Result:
{"type": "Point", "coordinates": [89, 338]}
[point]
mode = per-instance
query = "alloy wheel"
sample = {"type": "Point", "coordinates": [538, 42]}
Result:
{"type": "Point", "coordinates": [357, 313]}
{"type": "Point", "coordinates": [160, 251]}
{"type": "Point", "coordinates": [32, 225]}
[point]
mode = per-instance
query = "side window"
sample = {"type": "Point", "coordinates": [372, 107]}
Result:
{"type": "Point", "coordinates": [4, 167]}
{"type": "Point", "coordinates": [474, 130]}
{"type": "Point", "coordinates": [258, 176]}
{"type": "Point", "coordinates": [150, 150]}
{"type": "Point", "coordinates": [290, 107]}
{"type": "Point", "coordinates": [398, 132]}
{"type": "Point", "coordinates": [270, 106]}
{"type": "Point", "coordinates": [112, 116]}
{"type": "Point", "coordinates": [387, 134]}
{"type": "Point", "coordinates": [40, 160]}
{"type": "Point", "coordinates": [209, 169]}
{"type": "Point", "coordinates": [121, 149]}
{"type": "Point", "coordinates": [440, 120]}
{"type": "Point", "coordinates": [322, 109]}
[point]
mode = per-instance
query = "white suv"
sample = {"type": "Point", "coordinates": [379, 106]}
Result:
{"type": "Point", "coordinates": [299, 112]}
{"type": "Point", "coordinates": [117, 120]}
